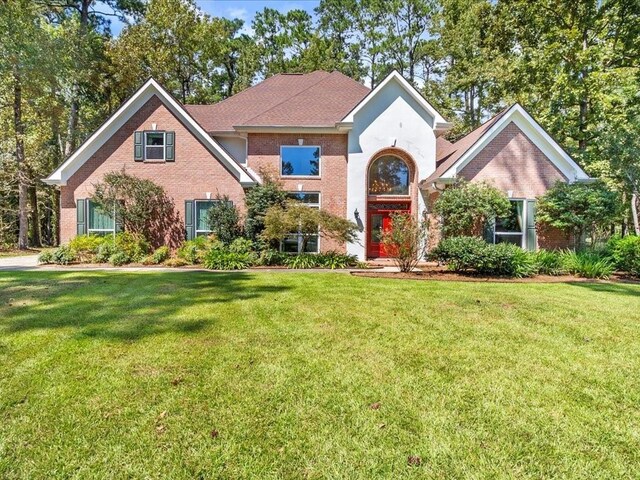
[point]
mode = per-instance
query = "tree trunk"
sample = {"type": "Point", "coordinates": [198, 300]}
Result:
{"type": "Point", "coordinates": [36, 240]}
{"type": "Point", "coordinates": [23, 223]}
{"type": "Point", "coordinates": [634, 212]}
{"type": "Point", "coordinates": [584, 101]}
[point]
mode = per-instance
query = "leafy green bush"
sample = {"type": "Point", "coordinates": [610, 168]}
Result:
{"type": "Point", "coordinates": [133, 245]}
{"type": "Point", "coordinates": [87, 243]}
{"type": "Point", "coordinates": [549, 262]}
{"type": "Point", "coordinates": [104, 252]}
{"type": "Point", "coordinates": [471, 253]}
{"type": "Point", "coordinates": [241, 245]}
{"type": "Point", "coordinates": [333, 260]}
{"type": "Point", "coordinates": [176, 262]}
{"type": "Point", "coordinates": [587, 264]}
{"type": "Point", "coordinates": [271, 257]}
{"type": "Point", "coordinates": [223, 259]}
{"type": "Point", "coordinates": [63, 255]}
{"type": "Point", "coordinates": [303, 260]}
{"type": "Point", "coordinates": [46, 257]}
{"type": "Point", "coordinates": [224, 220]}
{"type": "Point", "coordinates": [459, 253]}
{"type": "Point", "coordinates": [625, 252]}
{"type": "Point", "coordinates": [160, 255]}
{"type": "Point", "coordinates": [119, 258]}
{"type": "Point", "coordinates": [193, 251]}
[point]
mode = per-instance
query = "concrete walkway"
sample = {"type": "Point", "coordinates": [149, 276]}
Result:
{"type": "Point", "coordinates": [20, 262]}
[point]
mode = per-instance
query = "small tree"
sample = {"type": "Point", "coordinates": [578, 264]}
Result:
{"type": "Point", "coordinates": [579, 209]}
{"type": "Point", "coordinates": [466, 207]}
{"type": "Point", "coordinates": [297, 218]}
{"type": "Point", "coordinates": [141, 205]}
{"type": "Point", "coordinates": [258, 200]}
{"type": "Point", "coordinates": [405, 241]}
{"type": "Point", "coordinates": [224, 220]}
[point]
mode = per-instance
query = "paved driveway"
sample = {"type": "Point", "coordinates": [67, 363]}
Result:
{"type": "Point", "coordinates": [18, 263]}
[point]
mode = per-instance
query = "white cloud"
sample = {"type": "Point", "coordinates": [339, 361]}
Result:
{"type": "Point", "coordinates": [240, 13]}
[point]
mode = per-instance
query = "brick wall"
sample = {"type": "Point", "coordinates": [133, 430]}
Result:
{"type": "Point", "coordinates": [513, 162]}
{"type": "Point", "coordinates": [194, 172]}
{"type": "Point", "coordinates": [264, 155]}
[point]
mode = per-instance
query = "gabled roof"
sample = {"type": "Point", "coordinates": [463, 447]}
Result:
{"type": "Point", "coordinates": [124, 113]}
{"type": "Point", "coordinates": [440, 124]}
{"type": "Point", "coordinates": [452, 158]}
{"type": "Point", "coordinates": [317, 99]}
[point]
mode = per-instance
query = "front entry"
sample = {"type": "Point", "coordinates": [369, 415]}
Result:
{"type": "Point", "coordinates": [379, 222]}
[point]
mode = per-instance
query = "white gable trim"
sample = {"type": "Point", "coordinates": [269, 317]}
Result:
{"type": "Point", "coordinates": [65, 171]}
{"type": "Point", "coordinates": [440, 124]}
{"type": "Point", "coordinates": [532, 129]}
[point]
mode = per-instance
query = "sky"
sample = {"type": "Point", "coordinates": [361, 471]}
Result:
{"type": "Point", "coordinates": [243, 9]}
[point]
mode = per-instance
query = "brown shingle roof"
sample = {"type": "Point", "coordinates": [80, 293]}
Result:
{"type": "Point", "coordinates": [296, 100]}
{"type": "Point", "coordinates": [448, 155]}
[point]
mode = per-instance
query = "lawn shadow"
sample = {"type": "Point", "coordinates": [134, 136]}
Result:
{"type": "Point", "coordinates": [630, 289]}
{"type": "Point", "coordinates": [122, 306]}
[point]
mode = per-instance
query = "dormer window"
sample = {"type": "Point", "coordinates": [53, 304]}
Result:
{"type": "Point", "coordinates": [154, 143]}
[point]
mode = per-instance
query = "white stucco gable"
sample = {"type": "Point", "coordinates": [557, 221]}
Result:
{"type": "Point", "coordinates": [393, 115]}
{"type": "Point", "coordinates": [62, 174]}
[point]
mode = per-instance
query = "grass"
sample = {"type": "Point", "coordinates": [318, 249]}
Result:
{"type": "Point", "coordinates": [273, 375]}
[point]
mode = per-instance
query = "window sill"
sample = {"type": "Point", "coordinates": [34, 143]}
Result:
{"type": "Point", "coordinates": [301, 177]}
{"type": "Point", "coordinates": [155, 161]}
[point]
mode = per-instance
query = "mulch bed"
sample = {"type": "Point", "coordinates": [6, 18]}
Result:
{"type": "Point", "coordinates": [432, 272]}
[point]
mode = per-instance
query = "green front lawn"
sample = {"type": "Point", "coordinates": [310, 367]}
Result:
{"type": "Point", "coordinates": [274, 375]}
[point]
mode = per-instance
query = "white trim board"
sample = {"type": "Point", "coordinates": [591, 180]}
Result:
{"type": "Point", "coordinates": [532, 129]}
{"type": "Point", "coordinates": [65, 171]}
{"type": "Point", "coordinates": [440, 124]}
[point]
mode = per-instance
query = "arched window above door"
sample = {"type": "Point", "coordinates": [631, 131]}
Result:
{"type": "Point", "coordinates": [388, 175]}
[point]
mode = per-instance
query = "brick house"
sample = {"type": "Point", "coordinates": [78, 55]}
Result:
{"type": "Point", "coordinates": [333, 143]}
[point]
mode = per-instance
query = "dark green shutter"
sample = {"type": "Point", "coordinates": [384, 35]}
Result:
{"type": "Point", "coordinates": [489, 227]}
{"type": "Point", "coordinates": [188, 219]}
{"type": "Point", "coordinates": [138, 147]}
{"type": "Point", "coordinates": [532, 241]}
{"type": "Point", "coordinates": [81, 216]}
{"type": "Point", "coordinates": [170, 147]}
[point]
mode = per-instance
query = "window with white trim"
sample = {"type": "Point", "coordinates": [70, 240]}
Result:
{"type": "Point", "coordinates": [98, 221]}
{"type": "Point", "coordinates": [512, 228]}
{"type": "Point", "coordinates": [299, 161]}
{"type": "Point", "coordinates": [294, 243]}
{"type": "Point", "coordinates": [154, 145]}
{"type": "Point", "coordinates": [201, 216]}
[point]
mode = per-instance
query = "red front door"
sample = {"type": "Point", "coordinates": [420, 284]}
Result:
{"type": "Point", "coordinates": [380, 221]}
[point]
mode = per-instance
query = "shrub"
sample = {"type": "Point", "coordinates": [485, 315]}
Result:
{"type": "Point", "coordinates": [271, 257]}
{"type": "Point", "coordinates": [625, 252]}
{"type": "Point", "coordinates": [193, 251]}
{"type": "Point", "coordinates": [303, 260]}
{"type": "Point", "coordinates": [334, 260]}
{"type": "Point", "coordinates": [46, 257]}
{"type": "Point", "coordinates": [579, 208]}
{"type": "Point", "coordinates": [405, 240]}
{"type": "Point", "coordinates": [549, 262]}
{"type": "Point", "coordinates": [587, 264]}
{"type": "Point", "coordinates": [241, 245]}
{"type": "Point", "coordinates": [104, 252]}
{"type": "Point", "coordinates": [141, 205]}
{"type": "Point", "coordinates": [176, 262]}
{"type": "Point", "coordinates": [63, 255]}
{"type": "Point", "coordinates": [223, 259]}
{"type": "Point", "coordinates": [459, 253]}
{"type": "Point", "coordinates": [132, 244]}
{"type": "Point", "coordinates": [471, 253]}
{"type": "Point", "coordinates": [160, 255]}
{"type": "Point", "coordinates": [224, 220]}
{"type": "Point", "coordinates": [87, 244]}
{"type": "Point", "coordinates": [119, 258]}
{"type": "Point", "coordinates": [258, 200]}
{"type": "Point", "coordinates": [466, 207]}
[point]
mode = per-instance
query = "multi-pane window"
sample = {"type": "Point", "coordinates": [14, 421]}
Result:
{"type": "Point", "coordinates": [389, 175]}
{"type": "Point", "coordinates": [511, 228]}
{"type": "Point", "coordinates": [300, 161]}
{"type": "Point", "coordinates": [202, 208]}
{"type": "Point", "coordinates": [294, 243]}
{"type": "Point", "coordinates": [154, 143]}
{"type": "Point", "coordinates": [99, 221]}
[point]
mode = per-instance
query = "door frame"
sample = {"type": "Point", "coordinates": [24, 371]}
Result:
{"type": "Point", "coordinates": [386, 208]}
